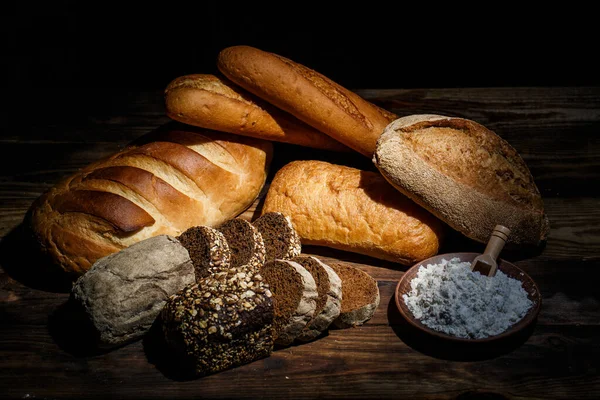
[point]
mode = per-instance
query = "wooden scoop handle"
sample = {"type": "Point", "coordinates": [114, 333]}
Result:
{"type": "Point", "coordinates": [497, 241]}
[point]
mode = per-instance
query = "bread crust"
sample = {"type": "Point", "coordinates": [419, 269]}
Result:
{"type": "Point", "coordinates": [307, 95]}
{"type": "Point", "coordinates": [213, 102]}
{"type": "Point", "coordinates": [464, 174]}
{"type": "Point", "coordinates": [353, 210]}
{"type": "Point", "coordinates": [179, 179]}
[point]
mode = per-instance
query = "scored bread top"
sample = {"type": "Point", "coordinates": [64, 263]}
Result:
{"type": "Point", "coordinates": [216, 103]}
{"type": "Point", "coordinates": [306, 94]}
{"type": "Point", "coordinates": [464, 174]}
{"type": "Point", "coordinates": [164, 183]}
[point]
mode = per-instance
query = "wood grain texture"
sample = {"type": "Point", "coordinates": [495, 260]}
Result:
{"type": "Point", "coordinates": [44, 352]}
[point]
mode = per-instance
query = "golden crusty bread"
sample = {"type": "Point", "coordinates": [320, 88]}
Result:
{"type": "Point", "coordinates": [307, 95]}
{"type": "Point", "coordinates": [169, 181]}
{"type": "Point", "coordinates": [216, 103]}
{"type": "Point", "coordinates": [464, 174]}
{"type": "Point", "coordinates": [353, 210]}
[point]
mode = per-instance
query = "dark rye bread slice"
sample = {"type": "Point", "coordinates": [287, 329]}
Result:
{"type": "Point", "coordinates": [245, 243]}
{"type": "Point", "coordinates": [329, 289]}
{"type": "Point", "coordinates": [294, 298]}
{"type": "Point", "coordinates": [207, 248]}
{"type": "Point", "coordinates": [360, 296]}
{"type": "Point", "coordinates": [223, 321]}
{"type": "Point", "coordinates": [280, 237]}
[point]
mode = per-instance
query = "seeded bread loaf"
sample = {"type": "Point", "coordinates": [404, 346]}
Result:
{"type": "Point", "coordinates": [223, 321]}
{"type": "Point", "coordinates": [360, 296]}
{"type": "Point", "coordinates": [308, 95]}
{"type": "Point", "coordinates": [216, 103]}
{"type": "Point", "coordinates": [294, 298]}
{"type": "Point", "coordinates": [329, 289]}
{"type": "Point", "coordinates": [208, 250]}
{"type": "Point", "coordinates": [123, 293]}
{"type": "Point", "coordinates": [464, 174]}
{"type": "Point", "coordinates": [353, 210]}
{"type": "Point", "coordinates": [280, 237]}
{"type": "Point", "coordinates": [245, 243]}
{"type": "Point", "coordinates": [168, 181]}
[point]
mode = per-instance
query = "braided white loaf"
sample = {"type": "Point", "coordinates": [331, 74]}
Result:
{"type": "Point", "coordinates": [168, 181]}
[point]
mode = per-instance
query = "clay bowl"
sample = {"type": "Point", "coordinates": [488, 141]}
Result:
{"type": "Point", "coordinates": [509, 269]}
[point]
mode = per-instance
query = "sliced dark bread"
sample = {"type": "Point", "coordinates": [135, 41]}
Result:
{"type": "Point", "coordinates": [280, 237]}
{"type": "Point", "coordinates": [207, 248]}
{"type": "Point", "coordinates": [329, 289]}
{"type": "Point", "coordinates": [294, 298]}
{"type": "Point", "coordinates": [224, 320]}
{"type": "Point", "coordinates": [245, 243]}
{"type": "Point", "coordinates": [360, 296]}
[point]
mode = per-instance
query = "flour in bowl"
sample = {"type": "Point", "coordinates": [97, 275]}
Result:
{"type": "Point", "coordinates": [448, 297]}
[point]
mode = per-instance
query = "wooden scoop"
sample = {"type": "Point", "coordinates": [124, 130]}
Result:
{"type": "Point", "coordinates": [486, 262]}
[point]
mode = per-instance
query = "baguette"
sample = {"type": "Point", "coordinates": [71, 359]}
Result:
{"type": "Point", "coordinates": [353, 210]}
{"type": "Point", "coordinates": [216, 103]}
{"type": "Point", "coordinates": [464, 174]}
{"type": "Point", "coordinates": [307, 95]}
{"type": "Point", "coordinates": [166, 183]}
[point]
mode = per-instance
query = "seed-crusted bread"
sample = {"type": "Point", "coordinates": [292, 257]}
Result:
{"type": "Point", "coordinates": [208, 250]}
{"type": "Point", "coordinates": [245, 243]}
{"type": "Point", "coordinates": [360, 296]}
{"type": "Point", "coordinates": [223, 321]}
{"type": "Point", "coordinates": [294, 298]}
{"type": "Point", "coordinates": [329, 289]}
{"type": "Point", "coordinates": [280, 237]}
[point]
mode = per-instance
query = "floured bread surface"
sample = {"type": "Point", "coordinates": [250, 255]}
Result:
{"type": "Point", "coordinates": [294, 298]}
{"type": "Point", "coordinates": [464, 174]}
{"type": "Point", "coordinates": [329, 288]}
{"type": "Point", "coordinates": [360, 296]}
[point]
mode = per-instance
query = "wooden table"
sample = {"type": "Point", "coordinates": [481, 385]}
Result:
{"type": "Point", "coordinates": [556, 130]}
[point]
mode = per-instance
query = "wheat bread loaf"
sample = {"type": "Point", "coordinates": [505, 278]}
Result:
{"type": "Point", "coordinates": [307, 95]}
{"type": "Point", "coordinates": [223, 321]}
{"type": "Point", "coordinates": [353, 210]}
{"type": "Point", "coordinates": [245, 243]}
{"type": "Point", "coordinates": [329, 289]}
{"type": "Point", "coordinates": [168, 181]}
{"type": "Point", "coordinates": [280, 237]}
{"type": "Point", "coordinates": [360, 296]}
{"type": "Point", "coordinates": [294, 298]}
{"type": "Point", "coordinates": [207, 248]}
{"type": "Point", "coordinates": [123, 293]}
{"type": "Point", "coordinates": [214, 102]}
{"type": "Point", "coordinates": [464, 174]}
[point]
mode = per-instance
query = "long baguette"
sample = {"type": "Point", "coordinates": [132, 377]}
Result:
{"type": "Point", "coordinates": [308, 95]}
{"type": "Point", "coordinates": [216, 103]}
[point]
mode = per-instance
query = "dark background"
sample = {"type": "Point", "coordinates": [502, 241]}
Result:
{"type": "Point", "coordinates": [139, 45]}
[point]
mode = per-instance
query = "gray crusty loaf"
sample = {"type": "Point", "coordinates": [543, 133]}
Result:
{"type": "Point", "coordinates": [464, 174]}
{"type": "Point", "coordinates": [124, 292]}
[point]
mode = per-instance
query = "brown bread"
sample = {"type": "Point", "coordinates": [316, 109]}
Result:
{"type": "Point", "coordinates": [207, 248]}
{"type": "Point", "coordinates": [245, 243]}
{"type": "Point", "coordinates": [280, 237]}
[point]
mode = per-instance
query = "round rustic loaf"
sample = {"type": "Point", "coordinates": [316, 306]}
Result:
{"type": "Point", "coordinates": [464, 174]}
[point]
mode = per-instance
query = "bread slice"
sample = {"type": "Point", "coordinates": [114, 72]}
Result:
{"type": "Point", "coordinates": [207, 248]}
{"type": "Point", "coordinates": [329, 289]}
{"type": "Point", "coordinates": [294, 298]}
{"type": "Point", "coordinates": [360, 296]}
{"type": "Point", "coordinates": [245, 243]}
{"type": "Point", "coordinates": [213, 102]}
{"type": "Point", "coordinates": [464, 174]}
{"type": "Point", "coordinates": [224, 320]}
{"type": "Point", "coordinates": [279, 235]}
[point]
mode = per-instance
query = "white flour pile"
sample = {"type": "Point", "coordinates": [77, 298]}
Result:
{"type": "Point", "coordinates": [450, 298]}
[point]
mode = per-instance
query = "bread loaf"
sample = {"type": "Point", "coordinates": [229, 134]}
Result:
{"type": "Point", "coordinates": [167, 182]}
{"type": "Point", "coordinates": [307, 95]}
{"type": "Point", "coordinates": [216, 103]}
{"type": "Point", "coordinates": [123, 293]}
{"type": "Point", "coordinates": [223, 321]}
{"type": "Point", "coordinates": [464, 174]}
{"type": "Point", "coordinates": [353, 210]}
